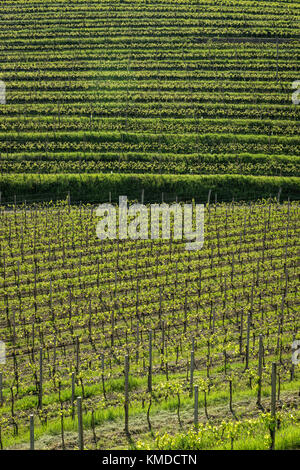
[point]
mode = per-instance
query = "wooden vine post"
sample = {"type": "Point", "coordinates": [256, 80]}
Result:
{"type": "Point", "coordinates": [31, 424]}
{"type": "Point", "coordinates": [80, 423]}
{"type": "Point", "coordinates": [150, 363]}
{"type": "Point", "coordinates": [260, 364]}
{"type": "Point", "coordinates": [77, 355]}
{"type": "Point", "coordinates": [196, 403]}
{"type": "Point", "coordinates": [248, 341]}
{"type": "Point", "coordinates": [273, 405]}
{"type": "Point", "coordinates": [41, 380]}
{"type": "Point", "coordinates": [1, 388]}
{"type": "Point", "coordinates": [192, 373]}
{"type": "Point", "coordinates": [126, 401]}
{"type": "Point", "coordinates": [73, 394]}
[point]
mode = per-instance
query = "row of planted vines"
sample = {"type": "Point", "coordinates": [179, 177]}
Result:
{"type": "Point", "coordinates": [73, 306]}
{"type": "Point", "coordinates": [176, 87]}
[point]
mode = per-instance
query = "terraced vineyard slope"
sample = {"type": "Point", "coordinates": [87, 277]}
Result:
{"type": "Point", "coordinates": [176, 87]}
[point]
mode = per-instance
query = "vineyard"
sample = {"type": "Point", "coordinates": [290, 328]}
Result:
{"type": "Point", "coordinates": [158, 88]}
{"type": "Point", "coordinates": [74, 306]}
{"type": "Point", "coordinates": [142, 344]}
